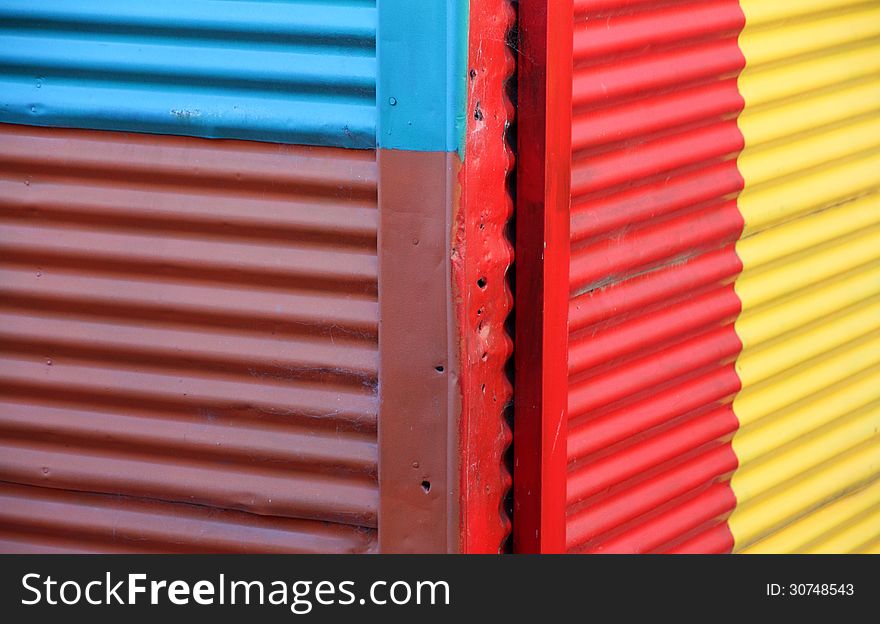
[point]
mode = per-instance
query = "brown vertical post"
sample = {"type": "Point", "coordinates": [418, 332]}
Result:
{"type": "Point", "coordinates": [419, 398]}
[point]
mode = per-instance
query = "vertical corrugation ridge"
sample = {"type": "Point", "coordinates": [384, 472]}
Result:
{"type": "Point", "coordinates": [510, 95]}
{"type": "Point", "coordinates": [809, 447]}
{"type": "Point", "coordinates": [654, 220]}
{"type": "Point", "coordinates": [482, 256]}
{"type": "Point", "coordinates": [191, 325]}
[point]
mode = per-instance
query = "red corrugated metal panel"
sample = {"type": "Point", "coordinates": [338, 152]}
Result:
{"type": "Point", "coordinates": [192, 324]}
{"type": "Point", "coordinates": [653, 220]}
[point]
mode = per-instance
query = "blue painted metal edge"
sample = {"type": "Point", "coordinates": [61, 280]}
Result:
{"type": "Point", "coordinates": [421, 91]}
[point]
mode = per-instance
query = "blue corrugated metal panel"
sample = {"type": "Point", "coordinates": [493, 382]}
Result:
{"type": "Point", "coordinates": [291, 71]}
{"type": "Point", "coordinates": [422, 77]}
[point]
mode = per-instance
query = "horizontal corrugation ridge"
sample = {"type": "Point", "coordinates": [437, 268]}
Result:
{"type": "Point", "coordinates": [184, 343]}
{"type": "Point", "coordinates": [301, 71]}
{"type": "Point", "coordinates": [810, 407]}
{"type": "Point", "coordinates": [654, 220]}
{"type": "Point", "coordinates": [41, 520]}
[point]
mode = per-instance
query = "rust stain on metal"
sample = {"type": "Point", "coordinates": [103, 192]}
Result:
{"type": "Point", "coordinates": [192, 325]}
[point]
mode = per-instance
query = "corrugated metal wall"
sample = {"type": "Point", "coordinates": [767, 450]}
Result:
{"type": "Point", "coordinates": [190, 356]}
{"type": "Point", "coordinates": [294, 71]}
{"type": "Point", "coordinates": [724, 279]}
{"type": "Point", "coordinates": [191, 324]}
{"type": "Point", "coordinates": [653, 223]}
{"type": "Point", "coordinates": [808, 444]}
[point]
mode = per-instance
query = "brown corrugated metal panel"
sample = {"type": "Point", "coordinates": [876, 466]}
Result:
{"type": "Point", "coordinates": [46, 520]}
{"type": "Point", "coordinates": [192, 324]}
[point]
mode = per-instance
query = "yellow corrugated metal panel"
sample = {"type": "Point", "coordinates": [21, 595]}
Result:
{"type": "Point", "coordinates": [785, 464]}
{"type": "Point", "coordinates": [772, 164]}
{"type": "Point", "coordinates": [808, 342]}
{"type": "Point", "coordinates": [763, 400]}
{"type": "Point", "coordinates": [837, 70]}
{"type": "Point", "coordinates": [812, 192]}
{"type": "Point", "coordinates": [779, 506]}
{"type": "Point", "coordinates": [820, 409]}
{"type": "Point", "coordinates": [827, 107]}
{"type": "Point", "coordinates": [812, 304]}
{"type": "Point", "coordinates": [837, 527]}
{"type": "Point", "coordinates": [802, 31]}
{"type": "Point", "coordinates": [809, 411]}
{"type": "Point", "coordinates": [808, 269]}
{"type": "Point", "coordinates": [761, 12]}
{"type": "Point", "coordinates": [854, 217]}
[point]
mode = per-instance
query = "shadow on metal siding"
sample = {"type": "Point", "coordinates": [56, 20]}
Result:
{"type": "Point", "coordinates": [188, 323]}
{"type": "Point", "coordinates": [808, 446]}
{"type": "Point", "coordinates": [299, 71]}
{"type": "Point", "coordinates": [653, 223]}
